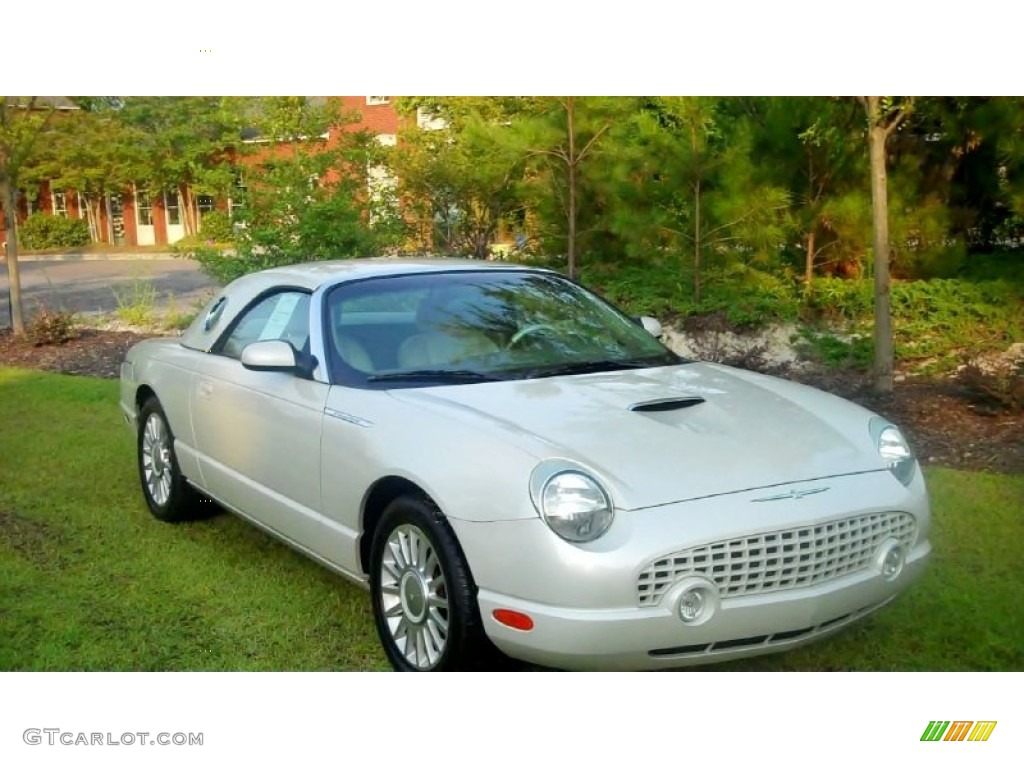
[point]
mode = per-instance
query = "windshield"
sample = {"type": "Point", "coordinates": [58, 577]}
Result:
{"type": "Point", "coordinates": [468, 327]}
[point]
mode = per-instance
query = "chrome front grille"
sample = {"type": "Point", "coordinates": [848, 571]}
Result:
{"type": "Point", "coordinates": [777, 560]}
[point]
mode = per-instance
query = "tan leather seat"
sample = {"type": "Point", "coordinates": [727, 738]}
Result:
{"type": "Point", "coordinates": [354, 354]}
{"type": "Point", "coordinates": [428, 350]}
{"type": "Point", "coordinates": [444, 340]}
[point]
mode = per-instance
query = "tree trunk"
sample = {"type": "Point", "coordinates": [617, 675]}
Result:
{"type": "Point", "coordinates": [91, 218]}
{"type": "Point", "coordinates": [13, 275]}
{"type": "Point", "coordinates": [877, 134]}
{"type": "Point", "coordinates": [188, 210]}
{"type": "Point", "coordinates": [696, 242]}
{"type": "Point", "coordinates": [110, 218]}
{"type": "Point", "coordinates": [809, 264]}
{"type": "Point", "coordinates": [572, 190]}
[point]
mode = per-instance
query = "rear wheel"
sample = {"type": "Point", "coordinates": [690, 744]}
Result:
{"type": "Point", "coordinates": [168, 495]}
{"type": "Point", "coordinates": [424, 598]}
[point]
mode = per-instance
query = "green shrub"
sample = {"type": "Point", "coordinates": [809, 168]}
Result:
{"type": "Point", "coordinates": [136, 303]}
{"type": "Point", "coordinates": [837, 301]}
{"type": "Point", "coordinates": [836, 353]}
{"type": "Point", "coordinates": [41, 230]}
{"type": "Point", "coordinates": [748, 297]}
{"type": "Point", "coordinates": [51, 327]}
{"type": "Point", "coordinates": [933, 320]}
{"type": "Point", "coordinates": [216, 228]}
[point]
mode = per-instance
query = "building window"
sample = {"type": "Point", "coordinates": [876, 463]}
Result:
{"type": "Point", "coordinates": [374, 100]}
{"type": "Point", "coordinates": [429, 121]}
{"type": "Point", "coordinates": [60, 204]}
{"type": "Point", "coordinates": [204, 203]}
{"type": "Point", "coordinates": [173, 207]}
{"type": "Point", "coordinates": [143, 209]}
{"type": "Point", "coordinates": [237, 200]}
{"type": "Point", "coordinates": [117, 218]}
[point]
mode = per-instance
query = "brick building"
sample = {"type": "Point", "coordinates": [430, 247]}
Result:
{"type": "Point", "coordinates": [137, 217]}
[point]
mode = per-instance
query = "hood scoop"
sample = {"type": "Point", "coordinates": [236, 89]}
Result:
{"type": "Point", "coordinates": [666, 404]}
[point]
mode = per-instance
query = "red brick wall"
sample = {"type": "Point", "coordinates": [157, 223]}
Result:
{"type": "Point", "coordinates": [376, 118]}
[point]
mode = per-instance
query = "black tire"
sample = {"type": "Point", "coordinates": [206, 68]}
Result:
{"type": "Point", "coordinates": [168, 495]}
{"type": "Point", "coordinates": [416, 601]}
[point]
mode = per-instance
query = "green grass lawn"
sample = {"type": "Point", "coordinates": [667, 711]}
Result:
{"type": "Point", "coordinates": [89, 581]}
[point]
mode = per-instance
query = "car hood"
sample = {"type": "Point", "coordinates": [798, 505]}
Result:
{"type": "Point", "coordinates": [747, 431]}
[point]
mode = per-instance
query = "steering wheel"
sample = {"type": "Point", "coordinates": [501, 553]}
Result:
{"type": "Point", "coordinates": [527, 331]}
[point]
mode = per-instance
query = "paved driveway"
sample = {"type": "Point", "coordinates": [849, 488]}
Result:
{"type": "Point", "coordinates": [90, 287]}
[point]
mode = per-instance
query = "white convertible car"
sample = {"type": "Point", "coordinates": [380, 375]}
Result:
{"type": "Point", "coordinates": [511, 464]}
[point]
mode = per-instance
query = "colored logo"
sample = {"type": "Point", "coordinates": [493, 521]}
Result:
{"type": "Point", "coordinates": [958, 730]}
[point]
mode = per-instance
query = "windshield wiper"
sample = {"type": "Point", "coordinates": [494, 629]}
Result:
{"type": "Point", "coordinates": [591, 366]}
{"type": "Point", "coordinates": [456, 376]}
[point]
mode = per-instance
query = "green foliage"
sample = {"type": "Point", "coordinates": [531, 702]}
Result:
{"type": "Point", "coordinates": [748, 297]}
{"type": "Point", "coordinates": [299, 207]}
{"type": "Point", "coordinates": [840, 302]}
{"type": "Point", "coordinates": [459, 181]}
{"type": "Point", "coordinates": [41, 230]}
{"type": "Point", "coordinates": [50, 327]}
{"type": "Point", "coordinates": [834, 352]}
{"type": "Point", "coordinates": [136, 303]}
{"type": "Point", "coordinates": [216, 227]}
{"type": "Point", "coordinates": [934, 321]}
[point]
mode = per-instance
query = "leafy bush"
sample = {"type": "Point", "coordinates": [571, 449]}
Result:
{"type": "Point", "coordinates": [834, 352]}
{"type": "Point", "coordinates": [299, 209]}
{"type": "Point", "coordinates": [51, 327]}
{"type": "Point", "coordinates": [216, 227]}
{"type": "Point", "coordinates": [41, 230]}
{"type": "Point", "coordinates": [933, 320]}
{"type": "Point", "coordinates": [748, 297]}
{"type": "Point", "coordinates": [837, 301]}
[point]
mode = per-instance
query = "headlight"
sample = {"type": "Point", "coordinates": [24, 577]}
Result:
{"type": "Point", "coordinates": [894, 450]}
{"type": "Point", "coordinates": [573, 504]}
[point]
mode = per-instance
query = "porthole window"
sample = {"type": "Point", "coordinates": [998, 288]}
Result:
{"type": "Point", "coordinates": [215, 312]}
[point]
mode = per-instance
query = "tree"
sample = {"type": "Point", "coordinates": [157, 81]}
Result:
{"type": "Point", "coordinates": [459, 178]}
{"type": "Point", "coordinates": [306, 193]}
{"type": "Point", "coordinates": [95, 154]}
{"type": "Point", "coordinates": [680, 179]}
{"type": "Point", "coordinates": [565, 138]}
{"type": "Point", "coordinates": [183, 144]}
{"type": "Point", "coordinates": [883, 116]}
{"type": "Point", "coordinates": [816, 151]}
{"type": "Point", "coordinates": [23, 120]}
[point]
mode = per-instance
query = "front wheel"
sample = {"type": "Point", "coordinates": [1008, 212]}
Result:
{"type": "Point", "coordinates": [424, 598]}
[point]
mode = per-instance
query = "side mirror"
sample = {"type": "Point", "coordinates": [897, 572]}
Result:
{"type": "Point", "coordinates": [269, 356]}
{"type": "Point", "coordinates": [652, 326]}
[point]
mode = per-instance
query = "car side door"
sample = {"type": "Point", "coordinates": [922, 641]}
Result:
{"type": "Point", "coordinates": [258, 432]}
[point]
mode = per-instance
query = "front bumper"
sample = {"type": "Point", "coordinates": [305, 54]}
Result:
{"type": "Point", "coordinates": [583, 599]}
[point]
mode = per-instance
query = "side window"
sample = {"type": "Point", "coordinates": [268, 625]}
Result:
{"type": "Point", "coordinates": [280, 317]}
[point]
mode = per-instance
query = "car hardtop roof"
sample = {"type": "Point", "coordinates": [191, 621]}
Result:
{"type": "Point", "coordinates": [314, 274]}
{"type": "Point", "coordinates": [318, 274]}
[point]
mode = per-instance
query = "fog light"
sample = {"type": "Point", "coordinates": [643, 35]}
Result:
{"type": "Point", "coordinates": [891, 557]}
{"type": "Point", "coordinates": [697, 600]}
{"type": "Point", "coordinates": [691, 605]}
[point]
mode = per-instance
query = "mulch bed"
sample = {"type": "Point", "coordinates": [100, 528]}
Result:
{"type": "Point", "coordinates": [945, 428]}
{"type": "Point", "coordinates": [942, 423]}
{"type": "Point", "coordinates": [93, 353]}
